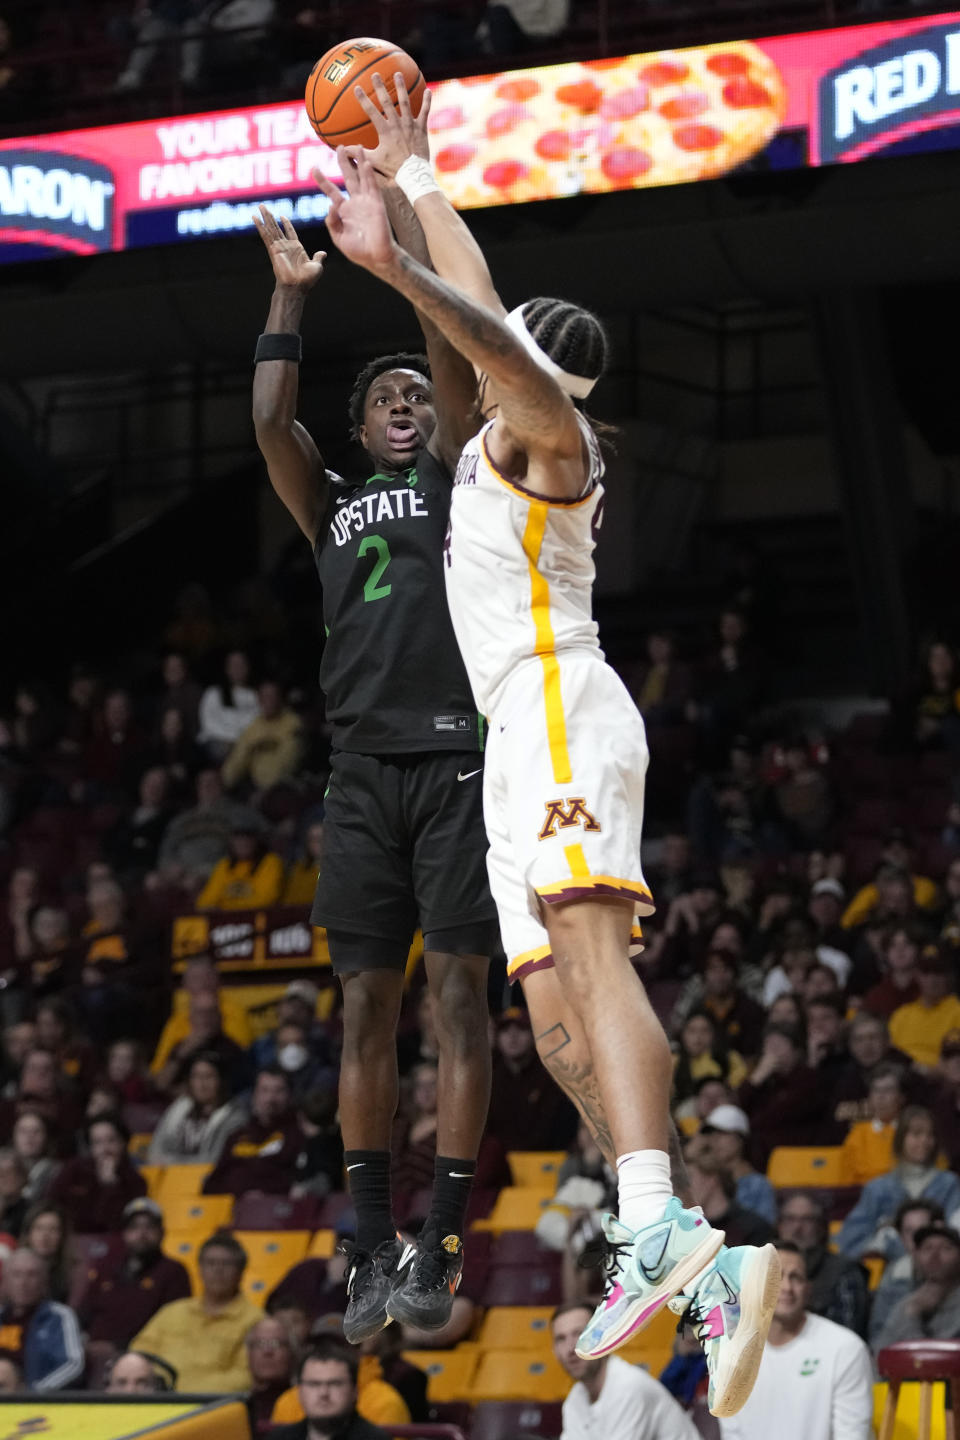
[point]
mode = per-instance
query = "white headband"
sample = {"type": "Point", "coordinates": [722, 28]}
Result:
{"type": "Point", "coordinates": [577, 385]}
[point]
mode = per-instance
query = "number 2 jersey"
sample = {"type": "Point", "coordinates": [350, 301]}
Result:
{"type": "Point", "coordinates": [391, 669]}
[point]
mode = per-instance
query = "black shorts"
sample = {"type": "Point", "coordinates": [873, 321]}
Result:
{"type": "Point", "coordinates": [404, 845]}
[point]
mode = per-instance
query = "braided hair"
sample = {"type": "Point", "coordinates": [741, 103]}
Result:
{"type": "Point", "coordinates": [573, 337]}
{"type": "Point", "coordinates": [402, 360]}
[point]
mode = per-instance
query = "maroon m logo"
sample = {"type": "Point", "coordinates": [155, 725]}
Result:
{"type": "Point", "coordinates": [564, 815]}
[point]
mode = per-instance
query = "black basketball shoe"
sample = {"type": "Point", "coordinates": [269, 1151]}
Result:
{"type": "Point", "coordinates": [424, 1295]}
{"type": "Point", "coordinates": [370, 1277]}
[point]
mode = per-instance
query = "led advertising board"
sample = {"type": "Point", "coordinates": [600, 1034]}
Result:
{"type": "Point", "coordinates": [670, 117]}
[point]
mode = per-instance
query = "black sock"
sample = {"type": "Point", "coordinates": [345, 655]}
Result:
{"type": "Point", "coordinates": [452, 1183]}
{"type": "Point", "coordinates": [368, 1180]}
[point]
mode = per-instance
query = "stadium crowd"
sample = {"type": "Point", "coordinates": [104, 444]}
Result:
{"type": "Point", "coordinates": [803, 958]}
{"type": "Point", "coordinates": [103, 56]}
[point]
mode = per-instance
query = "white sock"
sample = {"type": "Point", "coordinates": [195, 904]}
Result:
{"type": "Point", "coordinates": [643, 1184]}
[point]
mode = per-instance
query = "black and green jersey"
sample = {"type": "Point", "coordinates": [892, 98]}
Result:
{"type": "Point", "coordinates": [391, 670]}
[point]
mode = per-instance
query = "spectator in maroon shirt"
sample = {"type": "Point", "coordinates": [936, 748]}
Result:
{"type": "Point", "coordinates": [900, 951]}
{"type": "Point", "coordinates": [314, 1287]}
{"type": "Point", "coordinates": [122, 1293]}
{"type": "Point", "coordinates": [869, 1045]}
{"type": "Point", "coordinates": [77, 1061]}
{"type": "Point", "coordinates": [111, 759]}
{"type": "Point", "coordinates": [415, 1145]}
{"type": "Point", "coordinates": [95, 1189]}
{"type": "Point", "coordinates": [527, 1109]}
{"type": "Point", "coordinates": [53, 960]}
{"type": "Point", "coordinates": [48, 1233]}
{"type": "Point", "coordinates": [783, 1097]}
{"type": "Point", "coordinates": [262, 1154]}
{"type": "Point", "coordinates": [40, 1090]}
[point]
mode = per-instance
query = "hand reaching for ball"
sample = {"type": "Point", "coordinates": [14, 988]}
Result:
{"type": "Point", "coordinates": [292, 266]}
{"type": "Point", "coordinates": [357, 221]}
{"type": "Point", "coordinates": [400, 133]}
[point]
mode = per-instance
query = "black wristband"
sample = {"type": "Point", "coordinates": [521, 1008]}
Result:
{"type": "Point", "coordinates": [278, 347]}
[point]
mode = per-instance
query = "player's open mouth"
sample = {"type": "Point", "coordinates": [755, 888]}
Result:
{"type": "Point", "coordinates": [402, 436]}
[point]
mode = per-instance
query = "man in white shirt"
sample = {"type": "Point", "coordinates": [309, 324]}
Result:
{"type": "Point", "coordinates": [816, 1379]}
{"type": "Point", "coordinates": [611, 1399]}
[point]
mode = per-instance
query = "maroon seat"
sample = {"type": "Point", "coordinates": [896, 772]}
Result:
{"type": "Point", "coordinates": [926, 1361]}
{"type": "Point", "coordinates": [521, 1247]}
{"type": "Point", "coordinates": [452, 1412]}
{"type": "Point", "coordinates": [276, 1212]}
{"type": "Point", "coordinates": [523, 1285]}
{"type": "Point", "coordinates": [495, 1419]}
{"type": "Point", "coordinates": [333, 1209]}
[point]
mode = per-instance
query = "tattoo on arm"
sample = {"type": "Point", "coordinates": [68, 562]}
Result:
{"type": "Point", "coordinates": [577, 1079]}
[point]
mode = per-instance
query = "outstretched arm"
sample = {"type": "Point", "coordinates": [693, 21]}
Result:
{"type": "Point", "coordinates": [454, 252]}
{"type": "Point", "coordinates": [454, 382]}
{"type": "Point", "coordinates": [538, 415]}
{"type": "Point", "coordinates": [294, 463]}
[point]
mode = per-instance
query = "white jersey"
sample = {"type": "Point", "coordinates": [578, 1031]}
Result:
{"type": "Point", "coordinates": [519, 569]}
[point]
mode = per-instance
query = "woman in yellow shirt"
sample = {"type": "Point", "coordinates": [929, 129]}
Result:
{"type": "Point", "coordinates": [701, 1053]}
{"type": "Point", "coordinates": [249, 878]}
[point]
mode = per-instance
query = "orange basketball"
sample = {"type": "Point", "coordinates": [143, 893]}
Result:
{"type": "Point", "coordinates": [333, 108]}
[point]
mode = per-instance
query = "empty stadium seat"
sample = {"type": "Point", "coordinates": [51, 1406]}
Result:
{"type": "Point", "coordinates": [523, 1285]}
{"type": "Point", "coordinates": [519, 1375]}
{"type": "Point", "coordinates": [804, 1165]}
{"type": "Point", "coordinates": [496, 1418]}
{"type": "Point", "coordinates": [196, 1214]}
{"type": "Point", "coordinates": [185, 1248]}
{"type": "Point", "coordinates": [323, 1245]}
{"type": "Point", "coordinates": [270, 1254]}
{"type": "Point", "coordinates": [275, 1212]}
{"type": "Point", "coordinates": [535, 1169]}
{"type": "Point", "coordinates": [516, 1209]}
{"type": "Point", "coordinates": [449, 1372]}
{"type": "Point", "coordinates": [181, 1180]}
{"type": "Point", "coordinates": [154, 1176]}
{"type": "Point", "coordinates": [516, 1327]}
{"type": "Point", "coordinates": [519, 1247]}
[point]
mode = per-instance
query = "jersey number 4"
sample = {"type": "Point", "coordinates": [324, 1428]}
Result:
{"type": "Point", "coordinates": [372, 589]}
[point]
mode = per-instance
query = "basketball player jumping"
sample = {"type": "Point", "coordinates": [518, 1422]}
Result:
{"type": "Point", "coordinates": [404, 838]}
{"type": "Point", "coordinates": [563, 787]}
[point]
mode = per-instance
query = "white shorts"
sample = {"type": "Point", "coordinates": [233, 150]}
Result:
{"type": "Point", "coordinates": [563, 793]}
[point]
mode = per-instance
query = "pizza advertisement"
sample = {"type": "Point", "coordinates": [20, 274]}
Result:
{"type": "Point", "coordinates": [581, 128]}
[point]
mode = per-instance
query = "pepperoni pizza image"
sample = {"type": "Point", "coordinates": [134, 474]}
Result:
{"type": "Point", "coordinates": [642, 120]}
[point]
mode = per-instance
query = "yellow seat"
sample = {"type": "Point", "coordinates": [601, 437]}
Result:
{"type": "Point", "coordinates": [153, 1175]}
{"type": "Point", "coordinates": [138, 1145]}
{"type": "Point", "coordinates": [323, 1245]}
{"type": "Point", "coordinates": [270, 1254]}
{"type": "Point", "coordinates": [805, 1165]}
{"type": "Point", "coordinates": [516, 1327]}
{"type": "Point", "coordinates": [907, 1425]}
{"type": "Point", "coordinates": [185, 1248]}
{"type": "Point", "coordinates": [449, 1372]}
{"type": "Point", "coordinates": [535, 1169]}
{"type": "Point", "coordinates": [182, 1180]}
{"type": "Point", "coordinates": [196, 1214]}
{"type": "Point", "coordinates": [515, 1209]}
{"type": "Point", "coordinates": [519, 1375]}
{"type": "Point", "coordinates": [876, 1264]}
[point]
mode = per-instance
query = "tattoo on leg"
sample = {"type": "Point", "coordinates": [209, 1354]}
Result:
{"type": "Point", "coordinates": [557, 1037]}
{"type": "Point", "coordinates": [577, 1079]}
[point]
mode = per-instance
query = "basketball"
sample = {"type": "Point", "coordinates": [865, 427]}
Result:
{"type": "Point", "coordinates": [333, 108]}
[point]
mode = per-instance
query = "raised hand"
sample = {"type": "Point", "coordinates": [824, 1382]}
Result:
{"type": "Point", "coordinates": [401, 134]}
{"type": "Point", "coordinates": [357, 221]}
{"type": "Point", "coordinates": [292, 266]}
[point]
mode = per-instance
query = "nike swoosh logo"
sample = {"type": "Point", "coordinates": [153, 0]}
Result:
{"type": "Point", "coordinates": [459, 1175]}
{"type": "Point", "coordinates": [359, 1165]}
{"type": "Point", "coordinates": [469, 775]}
